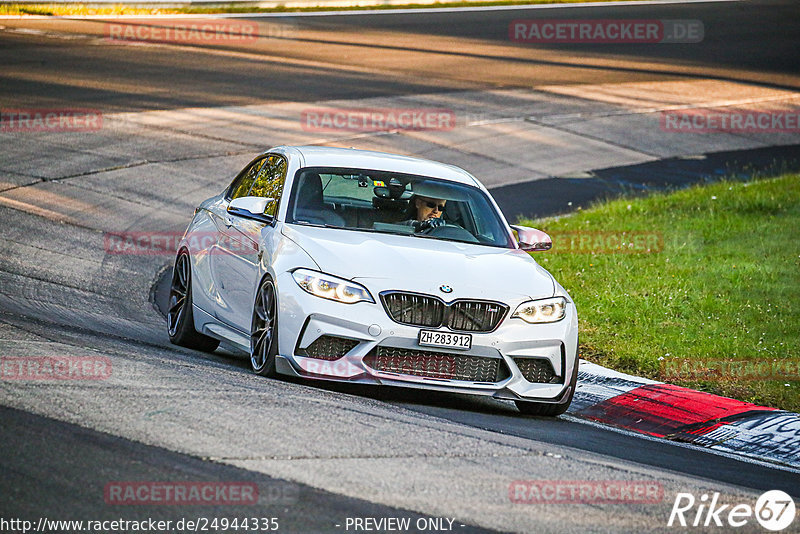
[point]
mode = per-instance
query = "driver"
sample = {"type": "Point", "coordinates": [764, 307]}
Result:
{"type": "Point", "coordinates": [426, 212]}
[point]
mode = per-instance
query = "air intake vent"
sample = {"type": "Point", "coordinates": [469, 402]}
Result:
{"type": "Point", "coordinates": [440, 365]}
{"type": "Point", "coordinates": [328, 348]}
{"type": "Point", "coordinates": [537, 370]}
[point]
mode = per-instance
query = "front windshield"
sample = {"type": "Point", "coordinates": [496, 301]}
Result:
{"type": "Point", "coordinates": [403, 204]}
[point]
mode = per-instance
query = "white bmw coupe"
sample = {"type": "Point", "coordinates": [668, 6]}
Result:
{"type": "Point", "coordinates": [365, 267]}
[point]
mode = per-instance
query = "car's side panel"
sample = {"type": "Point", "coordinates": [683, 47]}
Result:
{"type": "Point", "coordinates": [200, 240]}
{"type": "Point", "coordinates": [237, 270]}
{"type": "Point", "coordinates": [240, 246]}
{"type": "Point", "coordinates": [211, 326]}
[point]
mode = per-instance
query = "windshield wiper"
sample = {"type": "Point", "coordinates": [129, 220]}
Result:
{"type": "Point", "coordinates": [317, 225]}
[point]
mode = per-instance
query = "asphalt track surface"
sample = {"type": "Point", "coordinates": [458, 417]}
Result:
{"type": "Point", "coordinates": [59, 484]}
{"type": "Point", "coordinates": [330, 57]}
{"type": "Point", "coordinates": [174, 414]}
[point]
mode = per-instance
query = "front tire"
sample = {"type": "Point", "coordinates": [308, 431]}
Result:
{"type": "Point", "coordinates": [264, 331]}
{"type": "Point", "coordinates": [180, 319]}
{"type": "Point", "coordinates": [550, 410]}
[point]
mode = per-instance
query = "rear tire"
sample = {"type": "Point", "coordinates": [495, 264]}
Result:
{"type": "Point", "coordinates": [180, 319]}
{"type": "Point", "coordinates": [550, 410]}
{"type": "Point", "coordinates": [264, 331]}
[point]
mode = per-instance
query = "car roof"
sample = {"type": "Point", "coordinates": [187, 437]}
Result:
{"type": "Point", "coordinates": [319, 156]}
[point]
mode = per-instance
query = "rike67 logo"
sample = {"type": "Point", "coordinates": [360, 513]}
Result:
{"type": "Point", "coordinates": [774, 510]}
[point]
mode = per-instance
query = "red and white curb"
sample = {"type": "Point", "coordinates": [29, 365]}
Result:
{"type": "Point", "coordinates": [681, 414]}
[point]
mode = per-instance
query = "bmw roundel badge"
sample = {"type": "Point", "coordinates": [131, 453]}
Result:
{"type": "Point", "coordinates": [445, 288]}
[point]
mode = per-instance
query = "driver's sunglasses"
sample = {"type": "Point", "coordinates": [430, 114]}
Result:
{"type": "Point", "coordinates": [434, 205]}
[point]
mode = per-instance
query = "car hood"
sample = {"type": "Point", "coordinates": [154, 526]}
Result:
{"type": "Point", "coordinates": [384, 261]}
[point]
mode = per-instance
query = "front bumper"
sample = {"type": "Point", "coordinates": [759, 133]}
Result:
{"type": "Point", "coordinates": [304, 318]}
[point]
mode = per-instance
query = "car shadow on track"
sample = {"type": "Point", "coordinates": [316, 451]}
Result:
{"type": "Point", "coordinates": [410, 398]}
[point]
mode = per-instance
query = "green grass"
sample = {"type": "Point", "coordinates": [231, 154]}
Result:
{"type": "Point", "coordinates": [724, 286]}
{"type": "Point", "coordinates": [81, 9]}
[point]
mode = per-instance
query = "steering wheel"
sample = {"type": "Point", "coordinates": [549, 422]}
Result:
{"type": "Point", "coordinates": [451, 231]}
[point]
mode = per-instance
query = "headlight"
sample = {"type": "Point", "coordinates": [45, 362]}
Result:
{"type": "Point", "coordinates": [543, 310]}
{"type": "Point", "coordinates": [330, 287]}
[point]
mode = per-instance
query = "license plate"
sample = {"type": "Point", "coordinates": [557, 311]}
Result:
{"type": "Point", "coordinates": [431, 338]}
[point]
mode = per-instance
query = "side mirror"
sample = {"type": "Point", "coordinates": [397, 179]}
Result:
{"type": "Point", "coordinates": [532, 240]}
{"type": "Point", "coordinates": [251, 208]}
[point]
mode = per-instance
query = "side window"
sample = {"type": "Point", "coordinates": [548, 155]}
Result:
{"type": "Point", "coordinates": [269, 182]}
{"type": "Point", "coordinates": [242, 184]}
